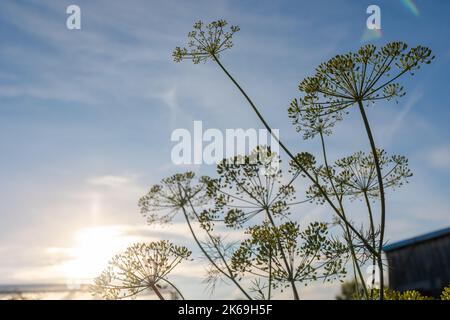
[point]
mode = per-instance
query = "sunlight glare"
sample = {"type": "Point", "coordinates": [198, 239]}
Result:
{"type": "Point", "coordinates": [94, 247]}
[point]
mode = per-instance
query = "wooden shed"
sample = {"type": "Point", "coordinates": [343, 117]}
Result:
{"type": "Point", "coordinates": [421, 263]}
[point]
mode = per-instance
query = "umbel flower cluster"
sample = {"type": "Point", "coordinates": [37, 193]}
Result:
{"type": "Point", "coordinates": [366, 76]}
{"type": "Point", "coordinates": [142, 267]}
{"type": "Point", "coordinates": [206, 42]}
{"type": "Point", "coordinates": [354, 176]}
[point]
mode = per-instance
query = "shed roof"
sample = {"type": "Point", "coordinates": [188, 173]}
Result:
{"type": "Point", "coordinates": [415, 240]}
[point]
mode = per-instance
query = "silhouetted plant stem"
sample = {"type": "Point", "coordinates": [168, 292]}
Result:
{"type": "Point", "coordinates": [222, 257]}
{"type": "Point", "coordinates": [283, 255]}
{"type": "Point", "coordinates": [286, 263]}
{"type": "Point", "coordinates": [382, 196]}
{"type": "Point", "coordinates": [208, 256]}
{"type": "Point", "coordinates": [358, 295]}
{"type": "Point", "coordinates": [173, 286]}
{"type": "Point", "coordinates": [269, 290]}
{"type": "Point", "coordinates": [356, 267]}
{"type": "Point", "coordinates": [372, 230]}
{"type": "Point", "coordinates": [156, 290]}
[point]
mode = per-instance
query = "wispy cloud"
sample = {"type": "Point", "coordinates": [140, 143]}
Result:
{"type": "Point", "coordinates": [439, 157]}
{"type": "Point", "coordinates": [110, 181]}
{"type": "Point", "coordinates": [401, 117]}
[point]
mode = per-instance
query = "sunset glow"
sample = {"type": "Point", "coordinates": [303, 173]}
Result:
{"type": "Point", "coordinates": [92, 248]}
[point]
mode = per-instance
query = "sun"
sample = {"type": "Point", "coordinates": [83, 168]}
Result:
{"type": "Point", "coordinates": [93, 248]}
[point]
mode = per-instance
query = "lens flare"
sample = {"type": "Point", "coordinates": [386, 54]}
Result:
{"type": "Point", "coordinates": [370, 35]}
{"type": "Point", "coordinates": [411, 6]}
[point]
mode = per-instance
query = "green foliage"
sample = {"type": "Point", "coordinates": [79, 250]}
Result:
{"type": "Point", "coordinates": [405, 295]}
{"type": "Point", "coordinates": [349, 291]}
{"type": "Point", "coordinates": [446, 293]}
{"type": "Point", "coordinates": [143, 266]}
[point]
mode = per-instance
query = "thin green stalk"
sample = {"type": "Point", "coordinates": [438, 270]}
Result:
{"type": "Point", "coordinates": [155, 289]}
{"type": "Point", "coordinates": [347, 230]}
{"type": "Point", "coordinates": [222, 257]}
{"type": "Point", "coordinates": [372, 230]}
{"type": "Point", "coordinates": [357, 269]}
{"type": "Point", "coordinates": [209, 258]}
{"type": "Point", "coordinates": [265, 207]}
{"type": "Point", "coordinates": [269, 290]}
{"type": "Point", "coordinates": [382, 195]}
{"type": "Point", "coordinates": [173, 286]}
{"type": "Point", "coordinates": [356, 282]}
{"type": "Point", "coordinates": [283, 255]}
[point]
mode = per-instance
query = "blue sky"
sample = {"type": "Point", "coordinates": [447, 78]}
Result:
{"type": "Point", "coordinates": [86, 115]}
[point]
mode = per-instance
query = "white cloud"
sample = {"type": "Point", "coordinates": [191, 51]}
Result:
{"type": "Point", "coordinates": [170, 99]}
{"type": "Point", "coordinates": [399, 119]}
{"type": "Point", "coordinates": [439, 157]}
{"type": "Point", "coordinates": [111, 181]}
